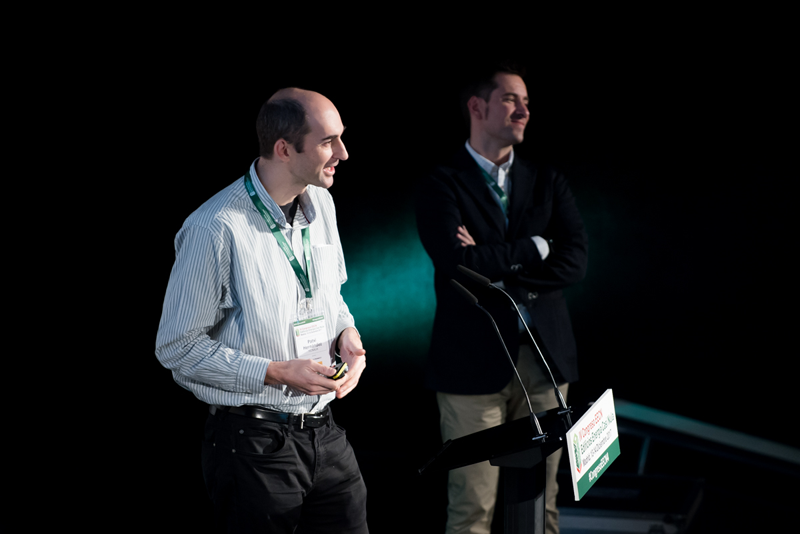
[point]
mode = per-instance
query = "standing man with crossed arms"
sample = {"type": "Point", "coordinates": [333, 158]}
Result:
{"type": "Point", "coordinates": [517, 224]}
{"type": "Point", "coordinates": [253, 319]}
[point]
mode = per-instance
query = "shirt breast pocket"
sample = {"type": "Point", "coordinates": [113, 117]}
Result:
{"type": "Point", "coordinates": [325, 262]}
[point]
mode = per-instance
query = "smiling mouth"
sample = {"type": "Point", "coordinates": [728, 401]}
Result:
{"type": "Point", "coordinates": [330, 170]}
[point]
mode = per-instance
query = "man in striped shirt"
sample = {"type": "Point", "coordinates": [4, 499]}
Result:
{"type": "Point", "coordinates": [252, 321]}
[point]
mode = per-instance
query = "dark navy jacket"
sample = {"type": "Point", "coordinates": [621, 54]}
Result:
{"type": "Point", "coordinates": [465, 355]}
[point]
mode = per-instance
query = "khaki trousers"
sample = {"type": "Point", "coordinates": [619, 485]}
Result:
{"type": "Point", "coordinates": [472, 490]}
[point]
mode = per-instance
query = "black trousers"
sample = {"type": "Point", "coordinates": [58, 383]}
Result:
{"type": "Point", "coordinates": [272, 477]}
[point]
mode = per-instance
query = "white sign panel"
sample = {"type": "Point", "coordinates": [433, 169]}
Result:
{"type": "Point", "coordinates": [593, 443]}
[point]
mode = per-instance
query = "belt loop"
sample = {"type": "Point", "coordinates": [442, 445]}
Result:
{"type": "Point", "coordinates": [220, 412]}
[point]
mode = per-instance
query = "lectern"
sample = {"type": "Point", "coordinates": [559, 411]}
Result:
{"type": "Point", "coordinates": [520, 453]}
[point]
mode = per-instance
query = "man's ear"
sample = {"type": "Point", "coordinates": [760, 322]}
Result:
{"type": "Point", "coordinates": [281, 150]}
{"type": "Point", "coordinates": [476, 107]}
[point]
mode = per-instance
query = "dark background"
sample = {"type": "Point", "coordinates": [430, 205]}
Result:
{"type": "Point", "coordinates": [674, 132]}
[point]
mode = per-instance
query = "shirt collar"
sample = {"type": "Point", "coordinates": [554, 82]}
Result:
{"type": "Point", "coordinates": [306, 204]}
{"type": "Point", "coordinates": [487, 165]}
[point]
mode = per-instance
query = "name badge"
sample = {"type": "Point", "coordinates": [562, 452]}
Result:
{"type": "Point", "coordinates": [311, 340]}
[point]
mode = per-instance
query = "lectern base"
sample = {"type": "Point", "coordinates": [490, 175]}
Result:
{"type": "Point", "coordinates": [523, 508]}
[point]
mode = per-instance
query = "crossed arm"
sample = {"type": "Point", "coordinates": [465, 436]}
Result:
{"type": "Point", "coordinates": [565, 265]}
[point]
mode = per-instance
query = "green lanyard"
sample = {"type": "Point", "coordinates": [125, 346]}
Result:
{"type": "Point", "coordinates": [276, 232]}
{"type": "Point", "coordinates": [496, 188]}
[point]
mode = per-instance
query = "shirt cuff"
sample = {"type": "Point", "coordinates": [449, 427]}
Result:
{"type": "Point", "coordinates": [336, 341]}
{"type": "Point", "coordinates": [252, 373]}
{"type": "Point", "coordinates": [541, 244]}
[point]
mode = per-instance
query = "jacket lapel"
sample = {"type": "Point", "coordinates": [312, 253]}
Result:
{"type": "Point", "coordinates": [472, 179]}
{"type": "Point", "coordinates": [523, 179]}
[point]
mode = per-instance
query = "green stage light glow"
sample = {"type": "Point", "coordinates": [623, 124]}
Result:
{"type": "Point", "coordinates": [389, 289]}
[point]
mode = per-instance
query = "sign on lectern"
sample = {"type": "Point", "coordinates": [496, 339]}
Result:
{"type": "Point", "coordinates": [593, 443]}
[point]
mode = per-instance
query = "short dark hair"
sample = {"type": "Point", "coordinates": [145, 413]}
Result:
{"type": "Point", "coordinates": [285, 119]}
{"type": "Point", "coordinates": [481, 83]}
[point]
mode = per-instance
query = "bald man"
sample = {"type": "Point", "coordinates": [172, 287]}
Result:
{"type": "Point", "coordinates": [255, 326]}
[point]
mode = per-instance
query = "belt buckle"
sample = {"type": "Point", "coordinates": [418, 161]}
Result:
{"type": "Point", "coordinates": [302, 420]}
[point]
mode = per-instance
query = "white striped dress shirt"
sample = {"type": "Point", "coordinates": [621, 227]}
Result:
{"type": "Point", "coordinates": [233, 296]}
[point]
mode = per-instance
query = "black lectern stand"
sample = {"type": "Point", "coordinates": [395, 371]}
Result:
{"type": "Point", "coordinates": [520, 453]}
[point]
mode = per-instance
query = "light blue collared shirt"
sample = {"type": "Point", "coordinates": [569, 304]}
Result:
{"type": "Point", "coordinates": [498, 172]}
{"type": "Point", "coordinates": [232, 297]}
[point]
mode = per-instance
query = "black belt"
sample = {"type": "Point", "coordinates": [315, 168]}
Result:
{"type": "Point", "coordinates": [310, 420]}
